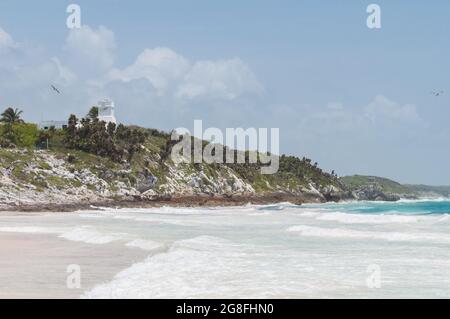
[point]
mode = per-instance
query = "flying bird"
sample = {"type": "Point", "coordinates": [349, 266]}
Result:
{"type": "Point", "coordinates": [437, 93]}
{"type": "Point", "coordinates": [55, 89]}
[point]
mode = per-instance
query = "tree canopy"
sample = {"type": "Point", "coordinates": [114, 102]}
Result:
{"type": "Point", "coordinates": [11, 116]}
{"type": "Point", "coordinates": [93, 113]}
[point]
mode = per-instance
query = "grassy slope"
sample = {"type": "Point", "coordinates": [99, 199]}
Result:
{"type": "Point", "coordinates": [387, 185]}
{"type": "Point", "coordinates": [440, 190]}
{"type": "Point", "coordinates": [390, 186]}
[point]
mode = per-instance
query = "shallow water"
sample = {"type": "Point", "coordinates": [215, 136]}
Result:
{"type": "Point", "coordinates": [349, 250]}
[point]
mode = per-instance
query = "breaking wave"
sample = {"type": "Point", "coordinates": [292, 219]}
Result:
{"type": "Point", "coordinates": [312, 231]}
{"type": "Point", "coordinates": [200, 267]}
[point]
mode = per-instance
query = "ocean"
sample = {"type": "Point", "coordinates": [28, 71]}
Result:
{"type": "Point", "coordinates": [344, 250]}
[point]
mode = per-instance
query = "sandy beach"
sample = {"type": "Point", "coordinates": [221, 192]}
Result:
{"type": "Point", "coordinates": [35, 265]}
{"type": "Point", "coordinates": [345, 250]}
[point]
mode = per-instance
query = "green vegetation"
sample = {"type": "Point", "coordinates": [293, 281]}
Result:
{"type": "Point", "coordinates": [389, 186]}
{"type": "Point", "coordinates": [129, 154]}
{"type": "Point", "coordinates": [93, 113]}
{"type": "Point", "coordinates": [94, 136]}
{"type": "Point", "coordinates": [432, 190]}
{"type": "Point", "coordinates": [18, 134]}
{"type": "Point", "coordinates": [11, 116]}
{"type": "Point", "coordinates": [89, 135]}
{"type": "Point", "coordinates": [305, 171]}
{"type": "Point", "coordinates": [14, 132]}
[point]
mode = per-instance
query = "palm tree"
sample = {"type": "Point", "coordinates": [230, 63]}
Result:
{"type": "Point", "coordinates": [11, 116]}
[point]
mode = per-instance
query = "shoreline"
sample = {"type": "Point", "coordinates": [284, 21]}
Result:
{"type": "Point", "coordinates": [175, 201]}
{"type": "Point", "coordinates": [202, 200]}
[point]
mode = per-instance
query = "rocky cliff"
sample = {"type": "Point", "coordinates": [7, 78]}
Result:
{"type": "Point", "coordinates": [42, 178]}
{"type": "Point", "coordinates": [374, 192]}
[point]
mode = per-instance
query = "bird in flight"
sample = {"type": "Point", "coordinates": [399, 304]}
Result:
{"type": "Point", "coordinates": [55, 89]}
{"type": "Point", "coordinates": [437, 93]}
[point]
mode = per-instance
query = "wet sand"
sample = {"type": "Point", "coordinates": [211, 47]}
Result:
{"type": "Point", "coordinates": [35, 265]}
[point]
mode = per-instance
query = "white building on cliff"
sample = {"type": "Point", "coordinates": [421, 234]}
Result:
{"type": "Point", "coordinates": [105, 114]}
{"type": "Point", "coordinates": [46, 125]}
{"type": "Point", "coordinates": [106, 111]}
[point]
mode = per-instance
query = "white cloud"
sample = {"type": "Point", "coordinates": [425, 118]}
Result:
{"type": "Point", "coordinates": [6, 41]}
{"type": "Point", "coordinates": [161, 79]}
{"type": "Point", "coordinates": [25, 68]}
{"type": "Point", "coordinates": [381, 118]}
{"type": "Point", "coordinates": [88, 48]}
{"type": "Point", "coordinates": [224, 79]}
{"type": "Point", "coordinates": [161, 66]}
{"type": "Point", "coordinates": [160, 83]}
{"type": "Point", "coordinates": [172, 74]}
{"type": "Point", "coordinates": [382, 109]}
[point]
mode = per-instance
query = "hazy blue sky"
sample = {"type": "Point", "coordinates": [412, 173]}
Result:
{"type": "Point", "coordinates": [355, 100]}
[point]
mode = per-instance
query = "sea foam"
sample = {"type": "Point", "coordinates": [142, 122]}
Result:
{"type": "Point", "coordinates": [145, 244]}
{"type": "Point", "coordinates": [313, 231]}
{"type": "Point", "coordinates": [200, 267]}
{"type": "Point", "coordinates": [347, 218]}
{"type": "Point", "coordinates": [91, 236]}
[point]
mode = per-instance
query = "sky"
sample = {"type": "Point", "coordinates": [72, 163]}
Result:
{"type": "Point", "coordinates": [354, 99]}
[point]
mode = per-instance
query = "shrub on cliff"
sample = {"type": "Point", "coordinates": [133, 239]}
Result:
{"type": "Point", "coordinates": [19, 134]}
{"type": "Point", "coordinates": [96, 137]}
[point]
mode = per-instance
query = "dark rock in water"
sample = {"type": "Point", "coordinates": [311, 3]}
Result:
{"type": "Point", "coordinates": [391, 197]}
{"type": "Point", "coordinates": [338, 196]}
{"type": "Point", "coordinates": [334, 194]}
{"type": "Point", "coordinates": [410, 196]}
{"type": "Point", "coordinates": [374, 192]}
{"type": "Point", "coordinates": [145, 181]}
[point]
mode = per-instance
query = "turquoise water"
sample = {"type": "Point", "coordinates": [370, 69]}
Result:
{"type": "Point", "coordinates": [431, 207]}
